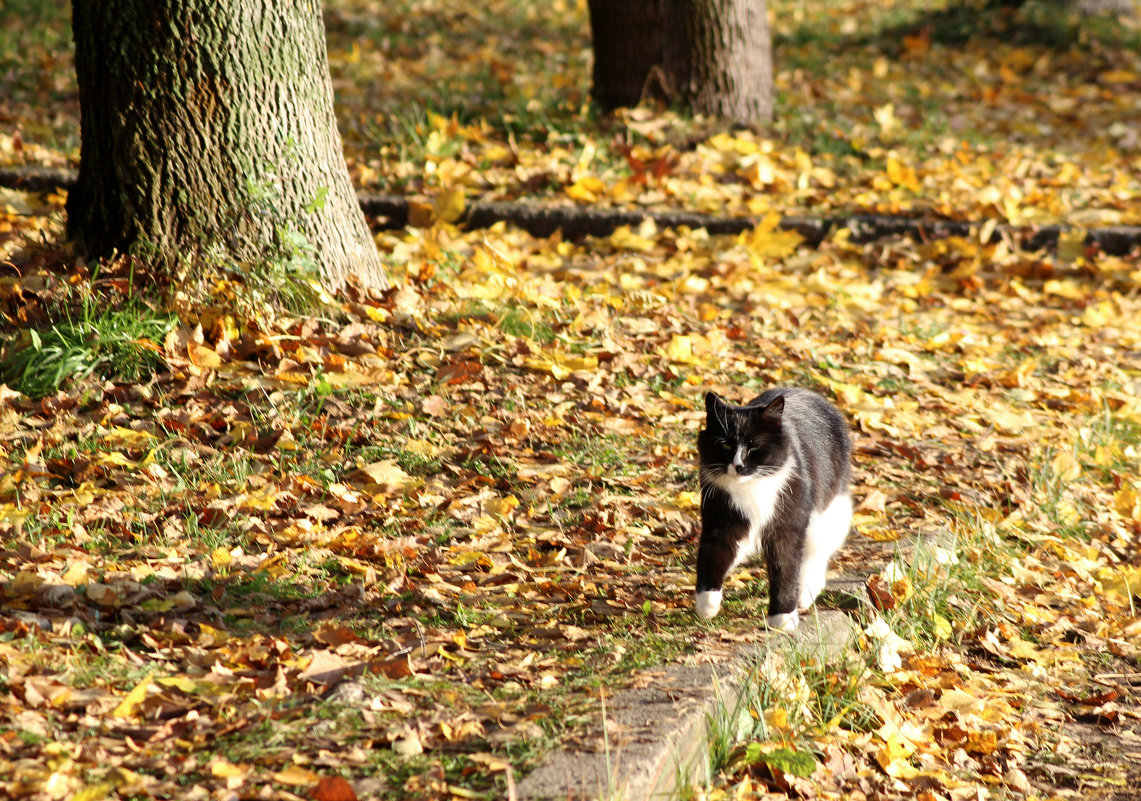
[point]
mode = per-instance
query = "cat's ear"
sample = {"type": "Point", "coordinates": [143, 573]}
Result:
{"type": "Point", "coordinates": [774, 411]}
{"type": "Point", "coordinates": [712, 404]}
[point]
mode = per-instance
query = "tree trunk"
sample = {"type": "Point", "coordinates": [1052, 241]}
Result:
{"type": "Point", "coordinates": [208, 132]}
{"type": "Point", "coordinates": [718, 57]}
{"type": "Point", "coordinates": [627, 42]}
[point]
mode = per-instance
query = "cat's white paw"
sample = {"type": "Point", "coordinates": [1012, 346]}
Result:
{"type": "Point", "coordinates": [708, 603]}
{"type": "Point", "coordinates": [786, 622]}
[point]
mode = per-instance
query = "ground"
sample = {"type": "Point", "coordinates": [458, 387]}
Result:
{"type": "Point", "coordinates": [402, 548]}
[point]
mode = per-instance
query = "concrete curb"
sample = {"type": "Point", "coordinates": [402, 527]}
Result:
{"type": "Point", "coordinates": [658, 733]}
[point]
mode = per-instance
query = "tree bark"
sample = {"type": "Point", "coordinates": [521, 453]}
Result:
{"type": "Point", "coordinates": [718, 57]}
{"type": "Point", "coordinates": [208, 132]}
{"type": "Point", "coordinates": [627, 43]}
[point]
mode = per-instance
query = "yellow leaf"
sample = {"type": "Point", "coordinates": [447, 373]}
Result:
{"type": "Point", "coordinates": [350, 379]}
{"type": "Point", "coordinates": [902, 174]}
{"type": "Point", "coordinates": [1118, 76]}
{"type": "Point", "coordinates": [386, 473]}
{"type": "Point", "coordinates": [449, 205]}
{"type": "Point", "coordinates": [92, 792]}
{"type": "Point", "coordinates": [1008, 422]}
{"type": "Point", "coordinates": [1064, 289]}
{"type": "Point", "coordinates": [208, 635]}
{"type": "Point", "coordinates": [777, 717]}
{"type": "Point", "coordinates": [680, 349]}
{"type": "Point", "coordinates": [1127, 502]}
{"type": "Point", "coordinates": [982, 742]}
{"type": "Point", "coordinates": [468, 558]}
{"type": "Point", "coordinates": [1123, 582]}
{"type": "Point", "coordinates": [12, 513]}
{"type": "Point", "coordinates": [624, 237]}
{"type": "Point", "coordinates": [768, 241]}
{"type": "Point", "coordinates": [263, 500]}
{"type": "Point", "coordinates": [221, 558]}
{"type": "Point", "coordinates": [1021, 649]}
{"type": "Point", "coordinates": [296, 776]}
{"type": "Point", "coordinates": [1065, 466]}
{"type": "Point", "coordinates": [116, 459]}
{"type": "Point", "coordinates": [892, 757]}
{"type": "Point", "coordinates": [422, 447]}
{"type": "Point", "coordinates": [76, 574]}
{"type": "Point", "coordinates": [586, 189]}
{"type": "Point", "coordinates": [886, 119]}
{"type": "Point", "coordinates": [224, 769]}
{"type": "Point", "coordinates": [1098, 315]}
{"type": "Point", "coordinates": [942, 627]}
{"type": "Point", "coordinates": [203, 356]}
{"type": "Point", "coordinates": [178, 682]}
{"type": "Point", "coordinates": [354, 565]}
{"type": "Point", "coordinates": [874, 501]}
{"type": "Point", "coordinates": [157, 605]}
{"type": "Point", "coordinates": [688, 500]}
{"type": "Point", "coordinates": [960, 701]}
{"type": "Point", "coordinates": [902, 589]}
{"type": "Point", "coordinates": [1071, 244]}
{"type": "Point", "coordinates": [276, 566]}
{"type": "Point", "coordinates": [131, 701]}
{"type": "Point", "coordinates": [119, 437]}
{"type": "Point", "coordinates": [561, 365]}
{"type": "Point", "coordinates": [502, 507]}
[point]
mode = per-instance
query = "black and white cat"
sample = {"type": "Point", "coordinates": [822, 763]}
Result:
{"type": "Point", "coordinates": [774, 481]}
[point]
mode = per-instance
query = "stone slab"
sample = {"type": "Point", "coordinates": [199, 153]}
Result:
{"type": "Point", "coordinates": [657, 734]}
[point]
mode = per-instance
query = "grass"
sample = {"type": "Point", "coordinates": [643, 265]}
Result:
{"type": "Point", "coordinates": [525, 323]}
{"type": "Point", "coordinates": [790, 695]}
{"type": "Point", "coordinates": [937, 581]}
{"type": "Point", "coordinates": [119, 344]}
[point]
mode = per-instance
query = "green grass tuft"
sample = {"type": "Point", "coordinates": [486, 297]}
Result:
{"type": "Point", "coordinates": [115, 344]}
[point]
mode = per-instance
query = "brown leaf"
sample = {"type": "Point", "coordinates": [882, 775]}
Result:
{"type": "Point", "coordinates": [326, 667]}
{"type": "Point", "coordinates": [335, 635]}
{"type": "Point", "coordinates": [880, 593]}
{"type": "Point", "coordinates": [397, 668]}
{"type": "Point", "coordinates": [1090, 700]}
{"type": "Point", "coordinates": [334, 788]}
{"type": "Point", "coordinates": [434, 406]}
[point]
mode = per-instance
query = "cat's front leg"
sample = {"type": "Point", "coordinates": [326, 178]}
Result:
{"type": "Point", "coordinates": [716, 554]}
{"type": "Point", "coordinates": [784, 551]}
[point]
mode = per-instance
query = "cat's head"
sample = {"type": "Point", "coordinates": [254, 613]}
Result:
{"type": "Point", "coordinates": [742, 442]}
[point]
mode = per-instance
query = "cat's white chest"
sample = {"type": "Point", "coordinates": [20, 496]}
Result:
{"type": "Point", "coordinates": [756, 499]}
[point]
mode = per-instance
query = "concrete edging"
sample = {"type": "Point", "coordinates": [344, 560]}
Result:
{"type": "Point", "coordinates": [659, 733]}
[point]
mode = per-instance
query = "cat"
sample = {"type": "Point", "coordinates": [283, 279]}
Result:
{"type": "Point", "coordinates": [774, 481]}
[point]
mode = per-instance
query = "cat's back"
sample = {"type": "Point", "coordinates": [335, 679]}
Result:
{"type": "Point", "coordinates": [819, 432]}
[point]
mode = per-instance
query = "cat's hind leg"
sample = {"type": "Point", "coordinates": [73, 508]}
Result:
{"type": "Point", "coordinates": [827, 531]}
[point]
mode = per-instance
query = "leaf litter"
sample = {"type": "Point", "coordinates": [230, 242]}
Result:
{"type": "Point", "coordinates": [400, 554]}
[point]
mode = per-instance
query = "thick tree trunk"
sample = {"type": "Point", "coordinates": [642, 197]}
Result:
{"type": "Point", "coordinates": [627, 41]}
{"type": "Point", "coordinates": [718, 57]}
{"type": "Point", "coordinates": [207, 131]}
